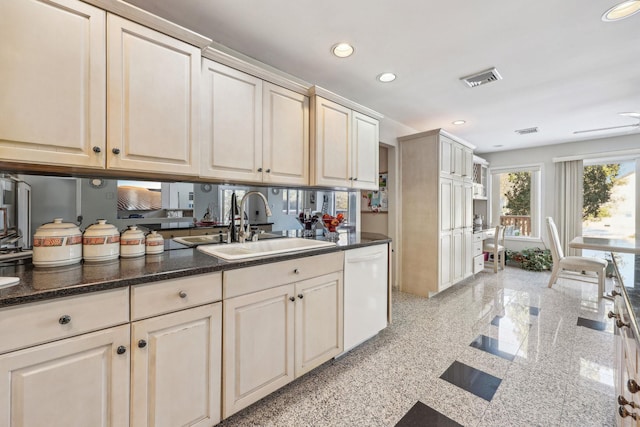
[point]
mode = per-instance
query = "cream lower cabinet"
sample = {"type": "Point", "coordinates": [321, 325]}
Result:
{"type": "Point", "coordinates": [274, 335]}
{"type": "Point", "coordinates": [78, 381]}
{"type": "Point", "coordinates": [53, 85]}
{"type": "Point", "coordinates": [176, 368]}
{"type": "Point", "coordinates": [253, 131]}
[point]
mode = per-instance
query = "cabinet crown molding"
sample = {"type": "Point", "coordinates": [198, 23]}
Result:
{"type": "Point", "coordinates": [317, 90]}
{"type": "Point", "coordinates": [142, 17]}
{"type": "Point", "coordinates": [438, 131]}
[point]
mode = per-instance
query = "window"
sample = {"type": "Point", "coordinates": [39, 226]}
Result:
{"type": "Point", "coordinates": [292, 201]}
{"type": "Point", "coordinates": [609, 199]}
{"type": "Point", "coordinates": [225, 196]}
{"type": "Point", "coordinates": [515, 201]}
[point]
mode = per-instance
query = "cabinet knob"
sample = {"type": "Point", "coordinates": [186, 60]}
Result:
{"type": "Point", "coordinates": [615, 293]}
{"type": "Point", "coordinates": [259, 169]}
{"type": "Point", "coordinates": [621, 324]}
{"type": "Point", "coordinates": [612, 315]}
{"type": "Point", "coordinates": [296, 271]}
{"type": "Point", "coordinates": [355, 179]}
{"type": "Point", "coordinates": [268, 171]}
{"type": "Point", "coordinates": [142, 344]}
{"type": "Point", "coordinates": [632, 386]}
{"type": "Point", "coordinates": [182, 294]}
{"type": "Point", "coordinates": [350, 178]}
{"type": "Point", "coordinates": [292, 298]}
{"type": "Point", "coordinates": [64, 319]}
{"type": "Point", "coordinates": [622, 401]}
{"type": "Point", "coordinates": [115, 150]}
{"type": "Point", "coordinates": [121, 349]}
{"type": "Point", "coordinates": [300, 296]}
{"type": "Point", "coordinates": [96, 149]}
{"type": "Point", "coordinates": [622, 411]}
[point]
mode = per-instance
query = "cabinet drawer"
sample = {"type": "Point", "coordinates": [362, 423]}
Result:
{"type": "Point", "coordinates": [45, 321]}
{"type": "Point", "coordinates": [477, 237]}
{"type": "Point", "coordinates": [260, 277]}
{"type": "Point", "coordinates": [478, 263]}
{"type": "Point", "coordinates": [151, 299]}
{"type": "Point", "coordinates": [477, 248]}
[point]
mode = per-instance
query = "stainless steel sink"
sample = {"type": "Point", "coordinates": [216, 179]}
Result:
{"type": "Point", "coordinates": [238, 251]}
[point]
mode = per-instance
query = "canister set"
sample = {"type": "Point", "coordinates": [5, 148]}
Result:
{"type": "Point", "coordinates": [61, 243]}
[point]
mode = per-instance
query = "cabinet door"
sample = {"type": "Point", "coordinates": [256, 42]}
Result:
{"type": "Point", "coordinates": [285, 136]}
{"type": "Point", "coordinates": [458, 205]}
{"type": "Point", "coordinates": [457, 256]}
{"type": "Point", "coordinates": [79, 381]}
{"type": "Point", "coordinates": [467, 164]}
{"type": "Point", "coordinates": [468, 254]}
{"type": "Point", "coordinates": [154, 98]}
{"type": "Point", "coordinates": [365, 152]}
{"type": "Point", "coordinates": [176, 368]}
{"type": "Point", "coordinates": [445, 247]}
{"type": "Point", "coordinates": [457, 160]}
{"type": "Point", "coordinates": [257, 345]}
{"type": "Point", "coordinates": [231, 123]}
{"type": "Point", "coordinates": [446, 203]}
{"type": "Point", "coordinates": [319, 321]}
{"type": "Point", "coordinates": [52, 108]}
{"type": "Point", "coordinates": [467, 200]}
{"type": "Point", "coordinates": [446, 155]}
{"type": "Point", "coordinates": [331, 150]}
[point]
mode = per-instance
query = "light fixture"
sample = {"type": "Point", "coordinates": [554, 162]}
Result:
{"type": "Point", "coordinates": [342, 50]}
{"type": "Point", "coordinates": [386, 77]}
{"type": "Point", "coordinates": [458, 122]}
{"type": "Point", "coordinates": [622, 10]}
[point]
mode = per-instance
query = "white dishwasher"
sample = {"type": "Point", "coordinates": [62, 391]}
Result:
{"type": "Point", "coordinates": [365, 293]}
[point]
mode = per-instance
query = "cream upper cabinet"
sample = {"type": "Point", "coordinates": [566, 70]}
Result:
{"type": "Point", "coordinates": [446, 155]}
{"type": "Point", "coordinates": [285, 136]}
{"type": "Point", "coordinates": [52, 108]}
{"type": "Point", "coordinates": [231, 123]}
{"type": "Point", "coordinates": [258, 347]}
{"type": "Point", "coordinates": [364, 152]}
{"type": "Point", "coordinates": [154, 97]}
{"type": "Point", "coordinates": [344, 147]}
{"type": "Point", "coordinates": [467, 164]}
{"type": "Point", "coordinates": [176, 368]}
{"type": "Point", "coordinates": [254, 131]}
{"type": "Point", "coordinates": [78, 381]}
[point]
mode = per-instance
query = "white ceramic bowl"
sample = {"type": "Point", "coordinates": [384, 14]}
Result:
{"type": "Point", "coordinates": [101, 242]}
{"type": "Point", "coordinates": [132, 242]}
{"type": "Point", "coordinates": [57, 243]}
{"type": "Point", "coordinates": [154, 243]}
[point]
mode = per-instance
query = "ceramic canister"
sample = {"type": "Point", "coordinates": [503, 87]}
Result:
{"type": "Point", "coordinates": [132, 242]}
{"type": "Point", "coordinates": [57, 243]}
{"type": "Point", "coordinates": [101, 242]}
{"type": "Point", "coordinates": [154, 243]}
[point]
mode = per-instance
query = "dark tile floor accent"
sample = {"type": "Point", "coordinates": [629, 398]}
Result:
{"type": "Point", "coordinates": [496, 320]}
{"type": "Point", "coordinates": [491, 345]}
{"type": "Point", "coordinates": [421, 415]}
{"type": "Point", "coordinates": [592, 324]}
{"type": "Point", "coordinates": [534, 311]}
{"type": "Point", "coordinates": [472, 380]}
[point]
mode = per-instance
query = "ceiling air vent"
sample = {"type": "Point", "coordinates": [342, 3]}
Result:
{"type": "Point", "coordinates": [527, 131]}
{"type": "Point", "coordinates": [483, 77]}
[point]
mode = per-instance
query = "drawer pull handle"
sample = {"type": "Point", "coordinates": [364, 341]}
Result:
{"type": "Point", "coordinates": [182, 294]}
{"type": "Point", "coordinates": [620, 324]}
{"type": "Point", "coordinates": [268, 171]}
{"type": "Point", "coordinates": [64, 320]}
{"type": "Point", "coordinates": [259, 169]}
{"type": "Point", "coordinates": [300, 296]}
{"type": "Point", "coordinates": [622, 401]}
{"type": "Point", "coordinates": [612, 315]}
{"type": "Point", "coordinates": [622, 411]}
{"type": "Point", "coordinates": [142, 344]}
{"type": "Point", "coordinates": [632, 386]}
{"type": "Point", "coordinates": [121, 349]}
{"type": "Point", "coordinates": [296, 271]}
{"type": "Point", "coordinates": [615, 293]}
{"type": "Point", "coordinates": [96, 149]}
{"type": "Point", "coordinates": [292, 299]}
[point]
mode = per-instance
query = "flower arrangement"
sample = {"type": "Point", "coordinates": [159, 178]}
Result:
{"type": "Point", "coordinates": [332, 222]}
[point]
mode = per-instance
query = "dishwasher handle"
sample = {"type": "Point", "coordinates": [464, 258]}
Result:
{"type": "Point", "coordinates": [365, 258]}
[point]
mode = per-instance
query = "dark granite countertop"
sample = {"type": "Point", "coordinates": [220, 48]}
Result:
{"type": "Point", "coordinates": [37, 283]}
{"type": "Point", "coordinates": [629, 268]}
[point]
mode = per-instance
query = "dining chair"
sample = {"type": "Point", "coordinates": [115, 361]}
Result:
{"type": "Point", "coordinates": [497, 248]}
{"type": "Point", "coordinates": [578, 264]}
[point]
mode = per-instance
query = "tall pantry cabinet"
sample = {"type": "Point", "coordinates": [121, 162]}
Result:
{"type": "Point", "coordinates": [437, 211]}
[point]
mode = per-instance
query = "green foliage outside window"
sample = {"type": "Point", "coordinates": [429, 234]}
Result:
{"type": "Point", "coordinates": [519, 194]}
{"type": "Point", "coordinates": [599, 180]}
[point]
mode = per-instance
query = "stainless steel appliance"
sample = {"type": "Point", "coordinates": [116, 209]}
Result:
{"type": "Point", "coordinates": [15, 218]}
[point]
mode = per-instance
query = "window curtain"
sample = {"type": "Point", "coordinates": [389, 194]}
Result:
{"type": "Point", "coordinates": [569, 193]}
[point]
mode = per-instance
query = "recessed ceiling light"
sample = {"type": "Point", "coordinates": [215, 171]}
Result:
{"type": "Point", "coordinates": [622, 10]}
{"type": "Point", "coordinates": [342, 50]}
{"type": "Point", "coordinates": [498, 145]}
{"type": "Point", "coordinates": [386, 77]}
{"type": "Point", "coordinates": [458, 122]}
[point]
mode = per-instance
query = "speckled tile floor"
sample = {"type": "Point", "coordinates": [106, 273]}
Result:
{"type": "Point", "coordinates": [506, 327]}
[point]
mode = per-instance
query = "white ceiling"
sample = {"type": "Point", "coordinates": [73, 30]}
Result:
{"type": "Point", "coordinates": [563, 68]}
